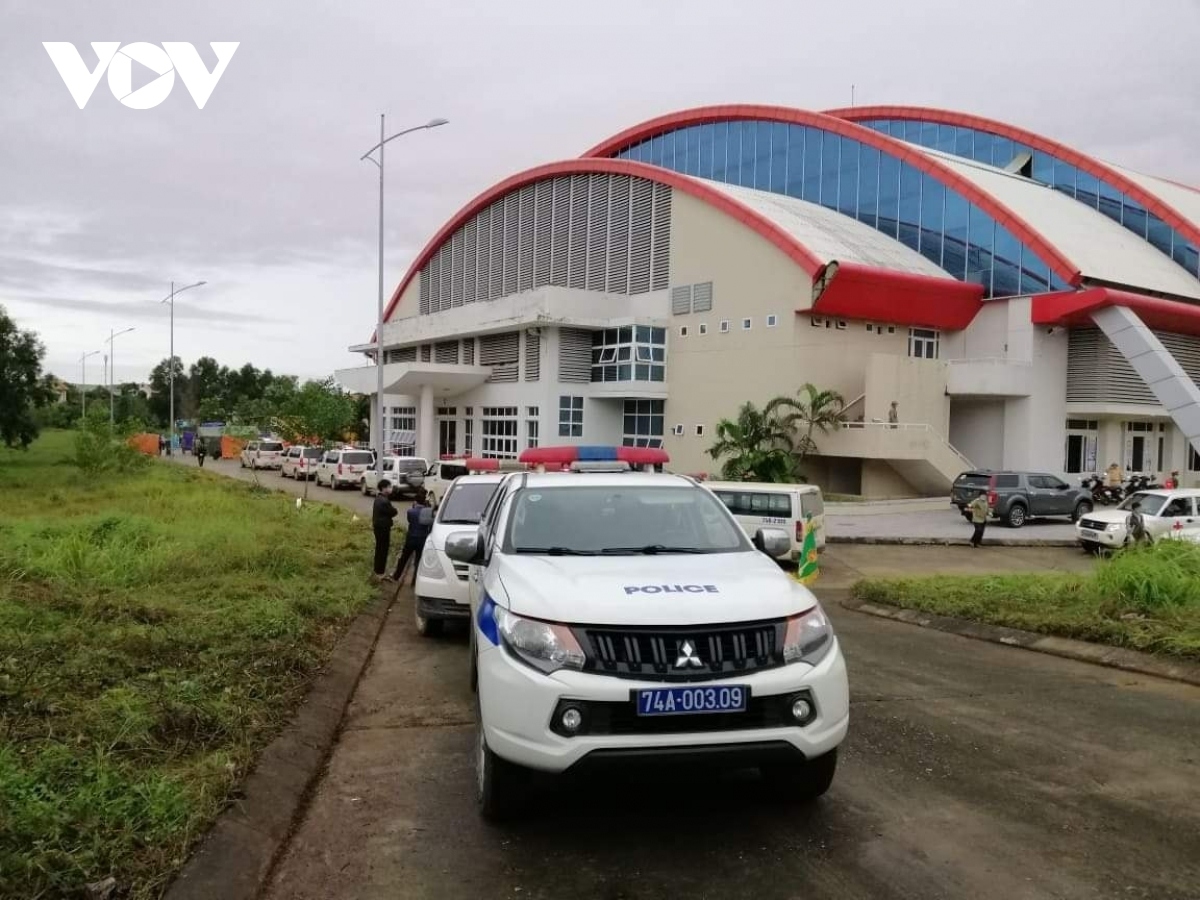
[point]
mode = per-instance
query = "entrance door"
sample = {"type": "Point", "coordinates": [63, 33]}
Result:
{"type": "Point", "coordinates": [447, 438]}
{"type": "Point", "coordinates": [1139, 451]}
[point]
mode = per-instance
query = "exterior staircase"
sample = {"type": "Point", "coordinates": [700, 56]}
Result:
{"type": "Point", "coordinates": [921, 456]}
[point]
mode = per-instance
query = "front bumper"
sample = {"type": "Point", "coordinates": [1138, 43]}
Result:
{"type": "Point", "coordinates": [517, 705]}
{"type": "Point", "coordinates": [1093, 538]}
{"type": "Point", "coordinates": [446, 586]}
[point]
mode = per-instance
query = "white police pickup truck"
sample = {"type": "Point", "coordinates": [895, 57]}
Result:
{"type": "Point", "coordinates": [626, 616]}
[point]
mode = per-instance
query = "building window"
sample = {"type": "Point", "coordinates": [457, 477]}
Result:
{"type": "Point", "coordinates": [703, 328]}
{"type": "Point", "coordinates": [499, 432]}
{"type": "Point", "coordinates": [772, 320]}
{"type": "Point", "coordinates": [468, 435]}
{"type": "Point", "coordinates": [643, 423]}
{"type": "Point", "coordinates": [746, 323]}
{"type": "Point", "coordinates": [683, 331]}
{"type": "Point", "coordinates": [570, 417]}
{"type": "Point", "coordinates": [922, 343]}
{"type": "Point", "coordinates": [699, 431]}
{"type": "Point", "coordinates": [402, 431]}
{"type": "Point", "coordinates": [1193, 459]}
{"type": "Point", "coordinates": [724, 329]}
{"type": "Point", "coordinates": [531, 428]}
{"type": "Point", "coordinates": [630, 353]}
{"type": "Point", "coordinates": [841, 325]}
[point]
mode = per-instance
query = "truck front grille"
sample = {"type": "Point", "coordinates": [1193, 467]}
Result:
{"type": "Point", "coordinates": [656, 653]}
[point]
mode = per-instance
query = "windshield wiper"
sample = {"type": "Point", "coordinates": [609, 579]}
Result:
{"type": "Point", "coordinates": [650, 550]}
{"type": "Point", "coordinates": [555, 551]}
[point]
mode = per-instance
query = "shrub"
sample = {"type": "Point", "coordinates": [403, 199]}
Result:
{"type": "Point", "coordinates": [1152, 578]}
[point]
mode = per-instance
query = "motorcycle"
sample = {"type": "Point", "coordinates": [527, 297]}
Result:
{"type": "Point", "coordinates": [1141, 483]}
{"type": "Point", "coordinates": [1102, 493]}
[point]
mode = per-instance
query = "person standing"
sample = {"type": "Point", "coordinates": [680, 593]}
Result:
{"type": "Point", "coordinates": [382, 514]}
{"type": "Point", "coordinates": [893, 414]}
{"type": "Point", "coordinates": [1135, 525]}
{"type": "Point", "coordinates": [199, 450]}
{"type": "Point", "coordinates": [979, 516]}
{"type": "Point", "coordinates": [420, 524]}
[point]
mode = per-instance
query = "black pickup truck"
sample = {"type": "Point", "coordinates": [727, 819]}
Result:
{"type": "Point", "coordinates": [1016, 497]}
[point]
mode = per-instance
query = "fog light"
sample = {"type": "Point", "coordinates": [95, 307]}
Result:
{"type": "Point", "coordinates": [801, 709]}
{"type": "Point", "coordinates": [571, 720]}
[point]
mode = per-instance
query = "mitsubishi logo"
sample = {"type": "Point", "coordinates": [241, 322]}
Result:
{"type": "Point", "coordinates": [688, 657]}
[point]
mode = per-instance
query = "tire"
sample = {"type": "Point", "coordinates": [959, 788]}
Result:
{"type": "Point", "coordinates": [804, 782]}
{"type": "Point", "coordinates": [1016, 515]}
{"type": "Point", "coordinates": [363, 485]}
{"type": "Point", "coordinates": [1082, 508]}
{"type": "Point", "coordinates": [498, 783]}
{"type": "Point", "coordinates": [426, 627]}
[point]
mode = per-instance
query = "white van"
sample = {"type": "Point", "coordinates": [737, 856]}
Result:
{"type": "Point", "coordinates": [761, 504]}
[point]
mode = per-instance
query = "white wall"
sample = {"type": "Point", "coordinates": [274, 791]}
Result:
{"type": "Point", "coordinates": [977, 431]}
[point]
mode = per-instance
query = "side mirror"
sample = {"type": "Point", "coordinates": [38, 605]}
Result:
{"type": "Point", "coordinates": [465, 547]}
{"type": "Point", "coordinates": [774, 542]}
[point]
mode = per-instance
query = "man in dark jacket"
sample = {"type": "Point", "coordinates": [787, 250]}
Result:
{"type": "Point", "coordinates": [382, 513]}
{"type": "Point", "coordinates": [420, 524]}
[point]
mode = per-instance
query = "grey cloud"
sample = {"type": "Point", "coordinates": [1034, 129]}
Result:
{"type": "Point", "coordinates": [132, 309]}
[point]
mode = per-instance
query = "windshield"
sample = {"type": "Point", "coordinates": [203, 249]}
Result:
{"type": "Point", "coordinates": [358, 458]}
{"type": "Point", "coordinates": [465, 502]}
{"type": "Point", "coordinates": [270, 446]}
{"type": "Point", "coordinates": [590, 519]}
{"type": "Point", "coordinates": [311, 453]}
{"type": "Point", "coordinates": [1152, 504]}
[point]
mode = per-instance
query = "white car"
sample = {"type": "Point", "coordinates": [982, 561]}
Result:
{"type": "Point", "coordinates": [1164, 511]}
{"type": "Point", "coordinates": [443, 473]}
{"type": "Point", "coordinates": [442, 584]}
{"type": "Point", "coordinates": [406, 474]}
{"type": "Point", "coordinates": [300, 462]}
{"type": "Point", "coordinates": [626, 616]}
{"type": "Point", "coordinates": [343, 468]}
{"type": "Point", "coordinates": [262, 455]}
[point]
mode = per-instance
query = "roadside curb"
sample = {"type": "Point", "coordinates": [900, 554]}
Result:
{"type": "Point", "coordinates": [947, 542]}
{"type": "Point", "coordinates": [1068, 648]}
{"type": "Point", "coordinates": [237, 855]}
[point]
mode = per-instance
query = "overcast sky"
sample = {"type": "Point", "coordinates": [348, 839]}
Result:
{"type": "Point", "coordinates": [262, 194]}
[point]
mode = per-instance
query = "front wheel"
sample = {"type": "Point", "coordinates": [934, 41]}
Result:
{"type": "Point", "coordinates": [803, 782]}
{"type": "Point", "coordinates": [363, 485]}
{"type": "Point", "coordinates": [498, 783]}
{"type": "Point", "coordinates": [1082, 508]}
{"type": "Point", "coordinates": [1016, 516]}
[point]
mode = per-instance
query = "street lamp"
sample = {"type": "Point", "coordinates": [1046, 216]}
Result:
{"type": "Point", "coordinates": [83, 376]}
{"type": "Point", "coordinates": [170, 298]}
{"type": "Point", "coordinates": [377, 431]}
{"type": "Point", "coordinates": [112, 376]}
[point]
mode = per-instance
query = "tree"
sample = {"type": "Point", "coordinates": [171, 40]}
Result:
{"type": "Point", "coordinates": [21, 387]}
{"type": "Point", "coordinates": [811, 410]}
{"type": "Point", "coordinates": [757, 445]}
{"type": "Point", "coordinates": [318, 412]}
{"type": "Point", "coordinates": [160, 400]}
{"type": "Point", "coordinates": [204, 384]}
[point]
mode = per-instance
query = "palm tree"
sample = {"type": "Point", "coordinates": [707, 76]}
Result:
{"type": "Point", "coordinates": [812, 409]}
{"type": "Point", "coordinates": [758, 446]}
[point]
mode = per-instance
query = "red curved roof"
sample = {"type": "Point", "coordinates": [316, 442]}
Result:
{"type": "Point", "coordinates": [1092, 166]}
{"type": "Point", "coordinates": [1074, 309]}
{"type": "Point", "coordinates": [1018, 227]}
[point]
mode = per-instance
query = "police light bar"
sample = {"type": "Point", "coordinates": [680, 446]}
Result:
{"type": "Point", "coordinates": [592, 466]}
{"type": "Point", "coordinates": [565, 455]}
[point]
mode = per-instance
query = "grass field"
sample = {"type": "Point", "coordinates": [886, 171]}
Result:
{"type": "Point", "coordinates": [156, 629]}
{"type": "Point", "coordinates": [1145, 598]}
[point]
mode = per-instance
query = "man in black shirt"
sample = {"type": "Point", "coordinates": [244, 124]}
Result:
{"type": "Point", "coordinates": [382, 514]}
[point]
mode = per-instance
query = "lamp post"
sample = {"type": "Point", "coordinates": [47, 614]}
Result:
{"type": "Point", "coordinates": [377, 432]}
{"type": "Point", "coordinates": [83, 376]}
{"type": "Point", "coordinates": [170, 298]}
{"type": "Point", "coordinates": [112, 376]}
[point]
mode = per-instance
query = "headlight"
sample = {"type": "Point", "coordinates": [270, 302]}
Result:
{"type": "Point", "coordinates": [431, 566]}
{"type": "Point", "coordinates": [808, 638]}
{"type": "Point", "coordinates": [1113, 526]}
{"type": "Point", "coordinates": [546, 646]}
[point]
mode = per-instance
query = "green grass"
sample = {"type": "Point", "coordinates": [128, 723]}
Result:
{"type": "Point", "coordinates": [156, 630]}
{"type": "Point", "coordinates": [1145, 598]}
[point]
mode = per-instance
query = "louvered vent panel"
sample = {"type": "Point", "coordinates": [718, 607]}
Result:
{"type": "Point", "coordinates": [560, 242]}
{"type": "Point", "coordinates": [526, 239]}
{"type": "Point", "coordinates": [483, 257]}
{"type": "Point", "coordinates": [446, 352]}
{"type": "Point", "coordinates": [470, 248]}
{"type": "Point", "coordinates": [681, 300]}
{"type": "Point", "coordinates": [661, 259]}
{"type": "Point", "coordinates": [577, 271]}
{"type": "Point", "coordinates": [1098, 373]}
{"type": "Point", "coordinates": [445, 265]}
{"type": "Point", "coordinates": [496, 251]}
{"type": "Point", "coordinates": [702, 297]}
{"type": "Point", "coordinates": [597, 234]}
{"type": "Point", "coordinates": [543, 202]}
{"type": "Point", "coordinates": [618, 245]}
{"type": "Point", "coordinates": [456, 268]}
{"type": "Point", "coordinates": [533, 356]}
{"type": "Point", "coordinates": [640, 239]}
{"type": "Point", "coordinates": [401, 355]}
{"type": "Point", "coordinates": [435, 282]}
{"type": "Point", "coordinates": [468, 351]}
{"type": "Point", "coordinates": [512, 242]}
{"type": "Point", "coordinates": [502, 353]}
{"type": "Point", "coordinates": [574, 355]}
{"type": "Point", "coordinates": [425, 281]}
{"type": "Point", "coordinates": [426, 352]}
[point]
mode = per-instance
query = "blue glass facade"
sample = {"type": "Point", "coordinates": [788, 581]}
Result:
{"type": "Point", "coordinates": [993, 150]}
{"type": "Point", "coordinates": [874, 187]}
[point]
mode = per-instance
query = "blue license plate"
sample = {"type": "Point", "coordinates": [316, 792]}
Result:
{"type": "Point", "coordinates": [687, 701]}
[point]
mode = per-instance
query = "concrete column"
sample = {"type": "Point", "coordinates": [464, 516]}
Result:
{"type": "Point", "coordinates": [426, 424]}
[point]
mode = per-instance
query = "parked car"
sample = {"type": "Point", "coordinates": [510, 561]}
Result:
{"type": "Point", "coordinates": [442, 473]}
{"type": "Point", "coordinates": [1016, 497]}
{"type": "Point", "coordinates": [786, 506]}
{"type": "Point", "coordinates": [406, 473]}
{"type": "Point", "coordinates": [300, 462]}
{"type": "Point", "coordinates": [1166, 513]}
{"type": "Point", "coordinates": [343, 468]}
{"type": "Point", "coordinates": [625, 617]}
{"type": "Point", "coordinates": [262, 455]}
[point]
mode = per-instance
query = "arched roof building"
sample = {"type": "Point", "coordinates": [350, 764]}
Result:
{"type": "Point", "coordinates": [640, 293]}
